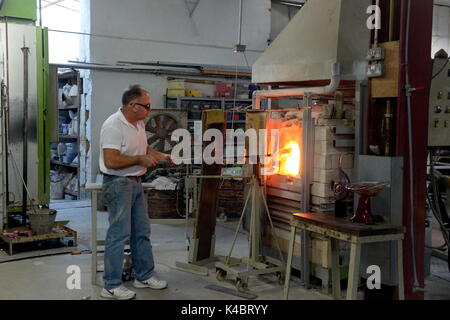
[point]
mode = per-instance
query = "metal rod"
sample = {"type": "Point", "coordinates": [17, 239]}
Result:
{"type": "Point", "coordinates": [190, 44]}
{"type": "Point", "coordinates": [24, 184]}
{"type": "Point", "coordinates": [308, 138]}
{"type": "Point", "coordinates": [6, 115]}
{"type": "Point", "coordinates": [40, 13]}
{"type": "Point", "coordinates": [221, 177]}
{"type": "Point", "coordinates": [271, 224]}
{"type": "Point", "coordinates": [240, 21]}
{"type": "Point", "coordinates": [391, 19]}
{"type": "Point", "coordinates": [375, 41]}
{"type": "Point", "coordinates": [237, 228]}
{"type": "Point", "coordinates": [25, 52]}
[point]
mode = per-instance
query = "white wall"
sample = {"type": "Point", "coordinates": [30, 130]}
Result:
{"type": "Point", "coordinates": [213, 25]}
{"type": "Point", "coordinates": [441, 29]}
{"type": "Point", "coordinates": [206, 38]}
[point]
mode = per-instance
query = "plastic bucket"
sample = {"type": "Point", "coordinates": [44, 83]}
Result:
{"type": "Point", "coordinates": [42, 221]}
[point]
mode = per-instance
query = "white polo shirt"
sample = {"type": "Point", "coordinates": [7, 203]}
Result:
{"type": "Point", "coordinates": [117, 133]}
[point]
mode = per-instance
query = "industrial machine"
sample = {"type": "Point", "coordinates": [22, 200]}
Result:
{"type": "Point", "coordinates": [384, 74]}
{"type": "Point", "coordinates": [312, 74]}
{"type": "Point", "coordinates": [439, 155]}
{"type": "Point", "coordinates": [24, 121]}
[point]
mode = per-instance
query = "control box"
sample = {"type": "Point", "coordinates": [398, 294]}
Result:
{"type": "Point", "coordinates": [439, 108]}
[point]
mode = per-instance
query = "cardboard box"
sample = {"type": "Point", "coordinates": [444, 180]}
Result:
{"type": "Point", "coordinates": [175, 85]}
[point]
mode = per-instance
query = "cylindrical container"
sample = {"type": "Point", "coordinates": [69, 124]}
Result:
{"type": "Point", "coordinates": [42, 221]}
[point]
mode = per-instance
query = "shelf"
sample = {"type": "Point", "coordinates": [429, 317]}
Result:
{"type": "Point", "coordinates": [228, 121]}
{"type": "Point", "coordinates": [210, 99]}
{"type": "Point", "coordinates": [71, 193]}
{"type": "Point", "coordinates": [63, 136]}
{"type": "Point", "coordinates": [59, 163]}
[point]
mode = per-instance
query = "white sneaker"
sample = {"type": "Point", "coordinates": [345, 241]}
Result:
{"type": "Point", "coordinates": [152, 283]}
{"type": "Point", "coordinates": [119, 293]}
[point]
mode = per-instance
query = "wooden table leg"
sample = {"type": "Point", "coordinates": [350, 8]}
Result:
{"type": "Point", "coordinates": [94, 237]}
{"type": "Point", "coordinates": [289, 262]}
{"type": "Point", "coordinates": [335, 269]}
{"type": "Point", "coordinates": [401, 285]}
{"type": "Point", "coordinates": [353, 273]}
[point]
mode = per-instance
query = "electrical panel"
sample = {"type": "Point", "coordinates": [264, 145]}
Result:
{"type": "Point", "coordinates": [439, 108]}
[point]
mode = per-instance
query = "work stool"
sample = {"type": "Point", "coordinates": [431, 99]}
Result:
{"type": "Point", "coordinates": [340, 229]}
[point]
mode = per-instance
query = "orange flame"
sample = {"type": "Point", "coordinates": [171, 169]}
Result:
{"type": "Point", "coordinates": [284, 148]}
{"type": "Point", "coordinates": [289, 158]}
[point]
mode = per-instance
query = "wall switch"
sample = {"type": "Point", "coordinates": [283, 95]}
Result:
{"type": "Point", "coordinates": [375, 70]}
{"type": "Point", "coordinates": [375, 54]}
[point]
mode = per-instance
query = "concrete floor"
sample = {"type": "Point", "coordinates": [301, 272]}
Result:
{"type": "Point", "coordinates": [44, 277]}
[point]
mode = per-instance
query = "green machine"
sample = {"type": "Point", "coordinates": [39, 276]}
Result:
{"type": "Point", "coordinates": [25, 112]}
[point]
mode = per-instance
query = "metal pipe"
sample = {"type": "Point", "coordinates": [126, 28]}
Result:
{"type": "Point", "coordinates": [375, 41]}
{"type": "Point", "coordinates": [409, 90]}
{"type": "Point", "coordinates": [6, 123]}
{"type": "Point", "coordinates": [190, 44]}
{"type": "Point", "coordinates": [25, 51]}
{"type": "Point", "coordinates": [40, 13]}
{"type": "Point", "coordinates": [329, 89]}
{"type": "Point", "coordinates": [240, 21]}
{"type": "Point", "coordinates": [391, 19]}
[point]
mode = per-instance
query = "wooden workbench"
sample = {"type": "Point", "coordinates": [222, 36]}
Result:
{"type": "Point", "coordinates": [356, 234]}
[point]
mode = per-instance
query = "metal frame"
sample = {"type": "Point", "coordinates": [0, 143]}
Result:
{"type": "Point", "coordinates": [308, 150]}
{"type": "Point", "coordinates": [355, 257]}
{"type": "Point", "coordinates": [261, 264]}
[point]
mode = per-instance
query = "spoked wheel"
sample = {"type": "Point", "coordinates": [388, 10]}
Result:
{"type": "Point", "coordinates": [221, 274]}
{"type": "Point", "coordinates": [281, 277]}
{"type": "Point", "coordinates": [241, 286]}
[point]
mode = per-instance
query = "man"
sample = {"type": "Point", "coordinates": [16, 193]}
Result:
{"type": "Point", "coordinates": [124, 158]}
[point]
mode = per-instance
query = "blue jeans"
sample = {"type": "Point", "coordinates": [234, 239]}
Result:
{"type": "Point", "coordinates": [128, 220]}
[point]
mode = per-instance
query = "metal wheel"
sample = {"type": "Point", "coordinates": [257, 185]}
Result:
{"type": "Point", "coordinates": [221, 274]}
{"type": "Point", "coordinates": [223, 217]}
{"type": "Point", "coordinates": [281, 277]}
{"type": "Point", "coordinates": [159, 130]}
{"type": "Point", "coordinates": [241, 286]}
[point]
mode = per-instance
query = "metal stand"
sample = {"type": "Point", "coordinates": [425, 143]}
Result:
{"type": "Point", "coordinates": [260, 264]}
{"type": "Point", "coordinates": [193, 265]}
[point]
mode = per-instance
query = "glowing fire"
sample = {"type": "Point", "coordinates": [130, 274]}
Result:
{"type": "Point", "coordinates": [289, 159]}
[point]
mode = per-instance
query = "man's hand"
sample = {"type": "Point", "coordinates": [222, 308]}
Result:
{"type": "Point", "coordinates": [148, 161]}
{"type": "Point", "coordinates": [157, 155]}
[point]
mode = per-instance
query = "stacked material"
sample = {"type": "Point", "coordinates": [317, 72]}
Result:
{"type": "Point", "coordinates": [328, 148]}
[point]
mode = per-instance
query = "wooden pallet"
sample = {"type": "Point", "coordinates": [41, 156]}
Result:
{"type": "Point", "coordinates": [58, 232]}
